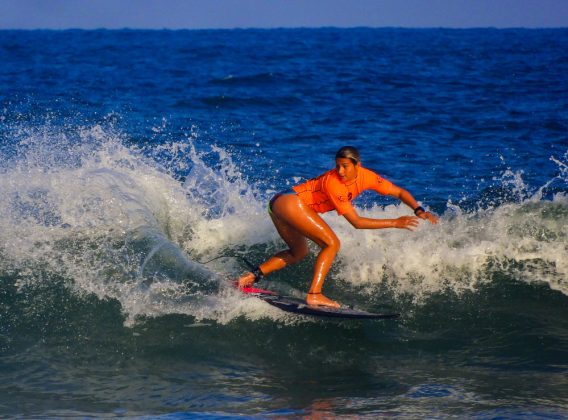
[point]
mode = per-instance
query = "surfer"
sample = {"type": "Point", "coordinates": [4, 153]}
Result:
{"type": "Point", "coordinates": [296, 216]}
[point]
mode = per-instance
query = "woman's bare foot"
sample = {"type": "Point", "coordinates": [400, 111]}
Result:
{"type": "Point", "coordinates": [246, 280]}
{"type": "Point", "coordinates": [317, 299]}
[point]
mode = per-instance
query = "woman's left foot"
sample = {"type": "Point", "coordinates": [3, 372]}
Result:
{"type": "Point", "coordinates": [317, 299]}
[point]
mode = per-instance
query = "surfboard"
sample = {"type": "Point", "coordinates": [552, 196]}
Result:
{"type": "Point", "coordinates": [299, 306]}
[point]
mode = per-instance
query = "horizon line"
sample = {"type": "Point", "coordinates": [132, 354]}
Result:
{"type": "Point", "coordinates": [267, 28]}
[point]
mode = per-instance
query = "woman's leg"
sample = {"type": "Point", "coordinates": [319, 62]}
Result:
{"type": "Point", "coordinates": [298, 249]}
{"type": "Point", "coordinates": [295, 222]}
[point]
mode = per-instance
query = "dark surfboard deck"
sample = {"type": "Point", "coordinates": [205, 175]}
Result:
{"type": "Point", "coordinates": [299, 306]}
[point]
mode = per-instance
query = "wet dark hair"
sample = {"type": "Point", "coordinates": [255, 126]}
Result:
{"type": "Point", "coordinates": [349, 152]}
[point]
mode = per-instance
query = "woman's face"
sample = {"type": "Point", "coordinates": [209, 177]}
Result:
{"type": "Point", "coordinates": [346, 169]}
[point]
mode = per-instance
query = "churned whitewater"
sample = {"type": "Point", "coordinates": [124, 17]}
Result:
{"type": "Point", "coordinates": [135, 170]}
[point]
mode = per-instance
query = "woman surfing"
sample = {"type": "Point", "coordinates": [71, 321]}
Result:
{"type": "Point", "coordinates": [296, 216]}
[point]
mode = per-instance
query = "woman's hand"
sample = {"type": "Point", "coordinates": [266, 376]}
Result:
{"type": "Point", "coordinates": [426, 215]}
{"type": "Point", "coordinates": [405, 222]}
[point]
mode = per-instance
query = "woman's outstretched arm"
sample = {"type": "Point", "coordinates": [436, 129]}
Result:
{"type": "Point", "coordinates": [404, 222]}
{"type": "Point", "coordinates": [358, 222]}
{"type": "Point", "coordinates": [407, 198]}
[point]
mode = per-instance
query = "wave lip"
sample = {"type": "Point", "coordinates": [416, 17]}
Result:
{"type": "Point", "coordinates": [114, 221]}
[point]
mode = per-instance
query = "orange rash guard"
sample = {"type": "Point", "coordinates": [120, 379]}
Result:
{"type": "Point", "coordinates": [327, 191]}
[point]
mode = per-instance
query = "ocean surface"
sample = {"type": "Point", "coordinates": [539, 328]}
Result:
{"type": "Point", "coordinates": [131, 159]}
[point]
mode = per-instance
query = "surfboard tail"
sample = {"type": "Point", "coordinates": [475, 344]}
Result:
{"type": "Point", "coordinates": [254, 290]}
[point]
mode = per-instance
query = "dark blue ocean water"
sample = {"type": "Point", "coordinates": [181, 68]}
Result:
{"type": "Point", "coordinates": [129, 158]}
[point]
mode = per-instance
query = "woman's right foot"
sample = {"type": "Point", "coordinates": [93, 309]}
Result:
{"type": "Point", "coordinates": [317, 299]}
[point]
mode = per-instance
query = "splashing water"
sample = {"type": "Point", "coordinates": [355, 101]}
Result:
{"type": "Point", "coordinates": [109, 219]}
{"type": "Point", "coordinates": [525, 238]}
{"type": "Point", "coordinates": [126, 223]}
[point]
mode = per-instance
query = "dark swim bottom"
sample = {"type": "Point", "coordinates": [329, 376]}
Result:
{"type": "Point", "coordinates": [276, 196]}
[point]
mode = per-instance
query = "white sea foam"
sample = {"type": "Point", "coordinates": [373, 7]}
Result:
{"type": "Point", "coordinates": [116, 221]}
{"type": "Point", "coordinates": [526, 239]}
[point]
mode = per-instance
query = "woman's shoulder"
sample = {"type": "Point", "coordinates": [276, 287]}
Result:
{"type": "Point", "coordinates": [367, 171]}
{"type": "Point", "coordinates": [372, 180]}
{"type": "Point", "coordinates": [369, 174]}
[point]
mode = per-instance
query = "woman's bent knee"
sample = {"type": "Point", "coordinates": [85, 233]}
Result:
{"type": "Point", "coordinates": [334, 243]}
{"type": "Point", "coordinates": [298, 255]}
